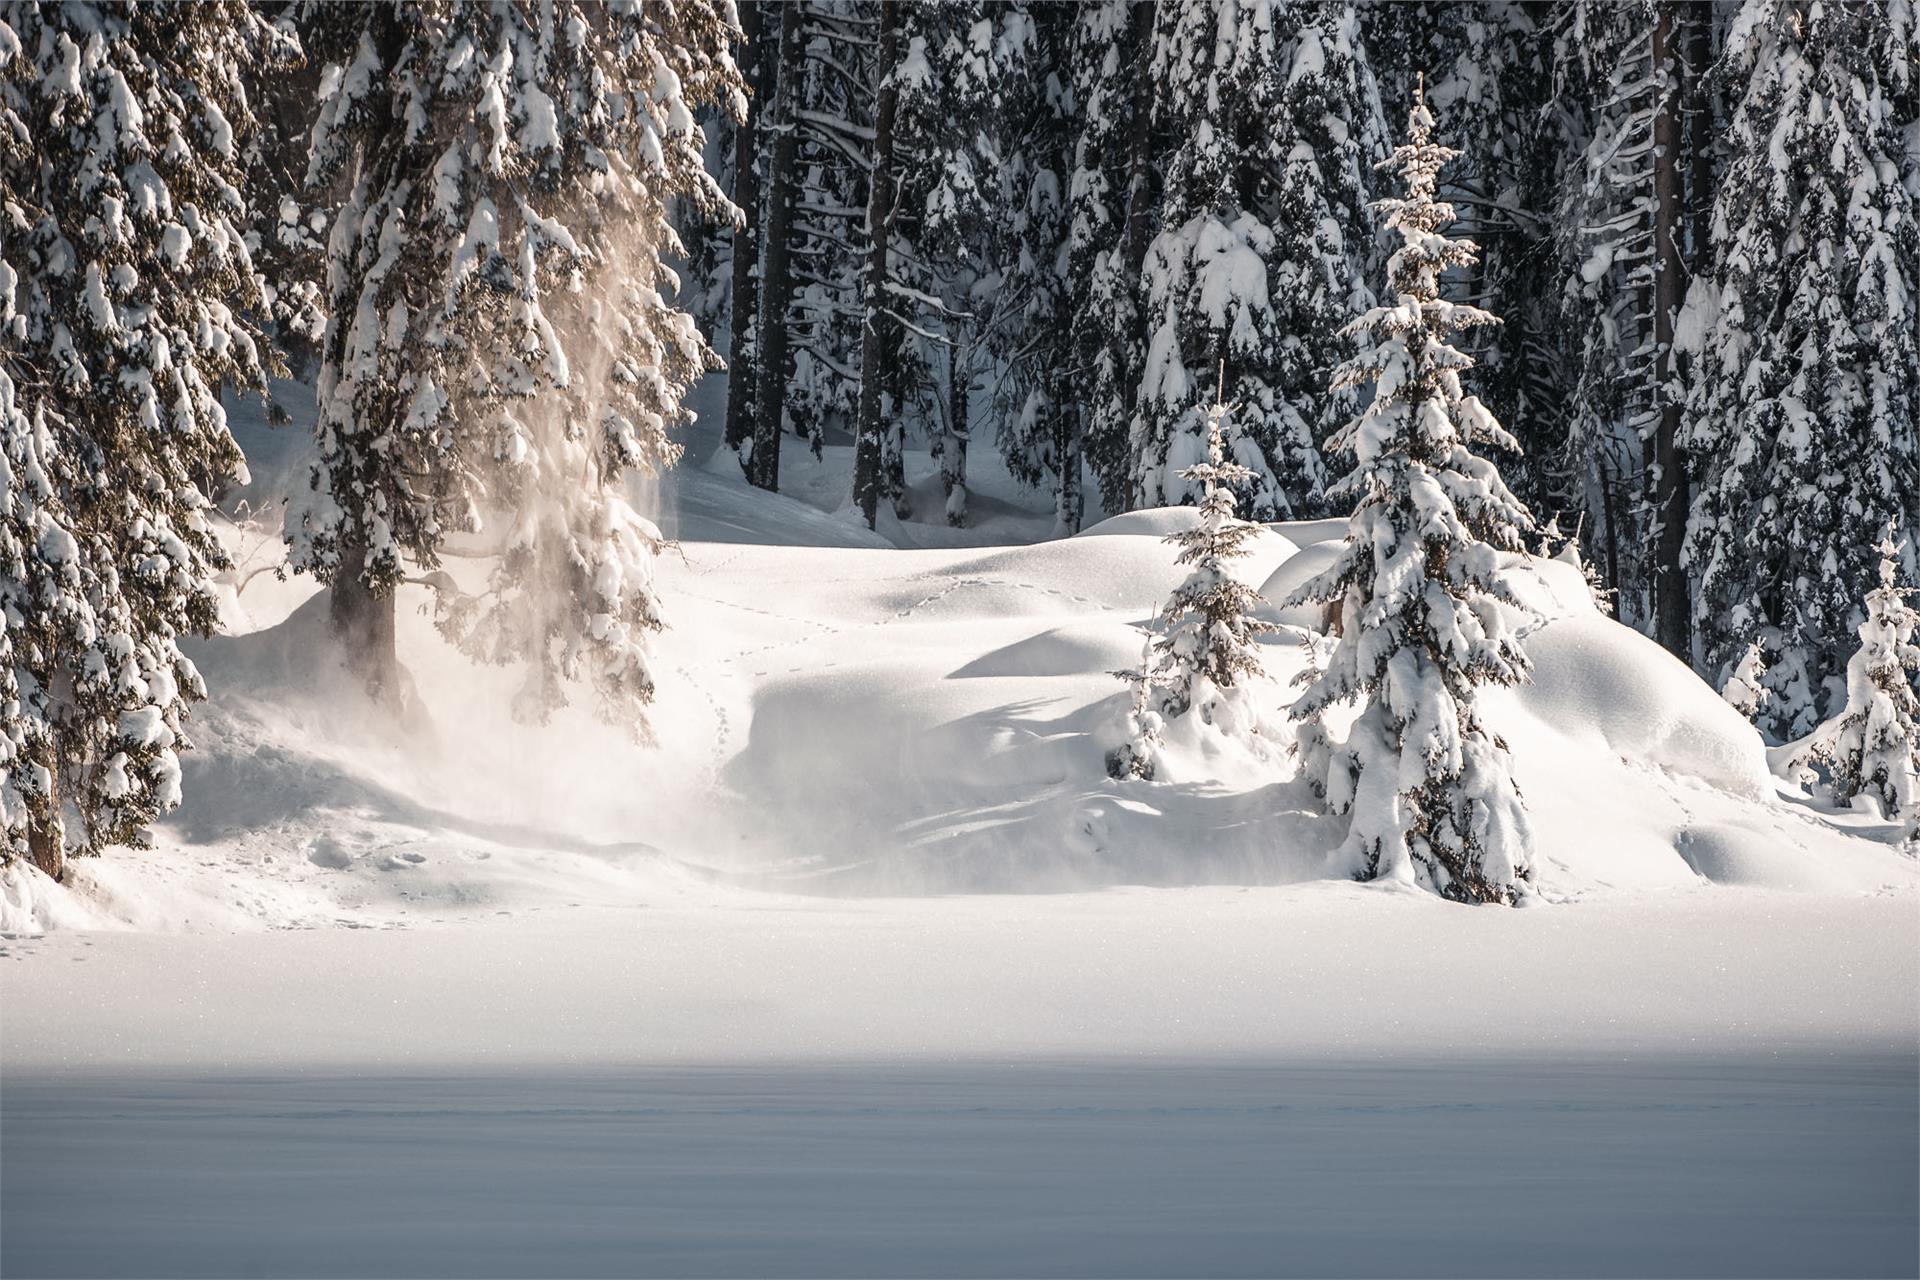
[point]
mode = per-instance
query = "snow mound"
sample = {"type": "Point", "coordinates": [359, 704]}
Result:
{"type": "Point", "coordinates": [840, 717]}
{"type": "Point", "coordinates": [1293, 573]}
{"type": "Point", "coordinates": [1153, 522]}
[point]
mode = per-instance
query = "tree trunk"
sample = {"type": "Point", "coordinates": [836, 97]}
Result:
{"type": "Point", "coordinates": [746, 240]}
{"type": "Point", "coordinates": [953, 458]}
{"type": "Point", "coordinates": [46, 843]}
{"type": "Point", "coordinates": [869, 444]}
{"type": "Point", "coordinates": [1671, 604]}
{"type": "Point", "coordinates": [363, 625]}
{"type": "Point", "coordinates": [1139, 147]}
{"type": "Point", "coordinates": [1608, 491]}
{"type": "Point", "coordinates": [1068, 506]}
{"type": "Point", "coordinates": [776, 277]}
{"type": "Point", "coordinates": [1700, 137]}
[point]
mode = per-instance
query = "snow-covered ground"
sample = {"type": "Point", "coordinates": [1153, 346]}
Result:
{"type": "Point", "coordinates": [874, 860]}
{"type": "Point", "coordinates": [1788, 1166]}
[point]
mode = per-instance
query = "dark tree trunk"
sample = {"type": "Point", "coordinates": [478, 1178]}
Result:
{"type": "Point", "coordinates": [776, 276]}
{"type": "Point", "coordinates": [1609, 492]}
{"type": "Point", "coordinates": [869, 443]}
{"type": "Point", "coordinates": [746, 240]}
{"type": "Point", "coordinates": [362, 621]}
{"type": "Point", "coordinates": [46, 844]}
{"type": "Point", "coordinates": [953, 464]}
{"type": "Point", "coordinates": [1069, 505]}
{"type": "Point", "coordinates": [1671, 605]}
{"type": "Point", "coordinates": [1700, 136]}
{"type": "Point", "coordinates": [1140, 146]}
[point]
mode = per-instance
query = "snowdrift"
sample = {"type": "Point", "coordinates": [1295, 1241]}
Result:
{"type": "Point", "coordinates": [851, 714]}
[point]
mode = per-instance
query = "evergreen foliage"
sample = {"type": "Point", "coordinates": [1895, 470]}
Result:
{"type": "Point", "coordinates": [1041, 414]}
{"type": "Point", "coordinates": [1263, 243]}
{"type": "Point", "coordinates": [1802, 425]}
{"type": "Point", "coordinates": [128, 296]}
{"type": "Point", "coordinates": [1110, 197]}
{"type": "Point", "coordinates": [502, 346]}
{"type": "Point", "coordinates": [1205, 650]}
{"type": "Point", "coordinates": [1872, 747]}
{"type": "Point", "coordinates": [1746, 689]}
{"type": "Point", "coordinates": [1422, 613]}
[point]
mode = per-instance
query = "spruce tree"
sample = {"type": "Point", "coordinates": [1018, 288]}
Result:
{"type": "Point", "coordinates": [1602, 61]}
{"type": "Point", "coordinates": [1040, 413]}
{"type": "Point", "coordinates": [1205, 649]}
{"type": "Point", "coordinates": [948, 295]}
{"type": "Point", "coordinates": [1428, 789]}
{"type": "Point", "coordinates": [1803, 422]}
{"type": "Point", "coordinates": [1111, 197]}
{"type": "Point", "coordinates": [1262, 250]}
{"type": "Point", "coordinates": [756, 58]}
{"type": "Point", "coordinates": [1872, 747]}
{"type": "Point", "coordinates": [503, 348]}
{"type": "Point", "coordinates": [1494, 85]}
{"type": "Point", "coordinates": [128, 296]}
{"type": "Point", "coordinates": [878, 417]}
{"type": "Point", "coordinates": [820, 121]}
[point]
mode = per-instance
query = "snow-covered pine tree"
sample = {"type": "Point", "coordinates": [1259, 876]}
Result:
{"type": "Point", "coordinates": [1206, 646]}
{"type": "Point", "coordinates": [502, 348]}
{"type": "Point", "coordinates": [1262, 249]}
{"type": "Point", "coordinates": [1804, 417]}
{"type": "Point", "coordinates": [819, 117]}
{"type": "Point", "coordinates": [1137, 754]}
{"type": "Point", "coordinates": [288, 233]}
{"type": "Point", "coordinates": [1621, 89]}
{"type": "Point", "coordinates": [1112, 197]}
{"type": "Point", "coordinates": [947, 294]}
{"type": "Point", "coordinates": [1208, 643]}
{"type": "Point", "coordinates": [1421, 618]}
{"type": "Point", "coordinates": [758, 43]}
{"type": "Point", "coordinates": [1495, 88]}
{"type": "Point", "coordinates": [1032, 343]}
{"type": "Point", "coordinates": [127, 297]}
{"type": "Point", "coordinates": [1873, 746]}
{"type": "Point", "coordinates": [878, 416]}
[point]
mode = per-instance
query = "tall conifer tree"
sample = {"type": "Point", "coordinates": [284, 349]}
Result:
{"type": "Point", "coordinates": [1428, 789]}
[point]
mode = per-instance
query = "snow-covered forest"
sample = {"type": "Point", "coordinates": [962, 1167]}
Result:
{"type": "Point", "coordinates": [684, 564]}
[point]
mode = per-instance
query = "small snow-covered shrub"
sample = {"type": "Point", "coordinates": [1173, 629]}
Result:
{"type": "Point", "coordinates": [1872, 748]}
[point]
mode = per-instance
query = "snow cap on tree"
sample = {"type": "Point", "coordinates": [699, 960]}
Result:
{"type": "Point", "coordinates": [1423, 616]}
{"type": "Point", "coordinates": [1746, 690]}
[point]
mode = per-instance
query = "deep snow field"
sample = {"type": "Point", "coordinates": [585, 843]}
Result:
{"type": "Point", "coordinates": [867, 967]}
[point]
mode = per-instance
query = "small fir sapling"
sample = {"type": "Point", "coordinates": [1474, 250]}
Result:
{"type": "Point", "coordinates": [1207, 650]}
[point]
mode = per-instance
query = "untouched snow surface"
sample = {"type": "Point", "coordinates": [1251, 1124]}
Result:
{"type": "Point", "coordinates": [876, 838]}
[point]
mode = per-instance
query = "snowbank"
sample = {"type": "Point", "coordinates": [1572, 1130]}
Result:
{"type": "Point", "coordinates": [839, 716]}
